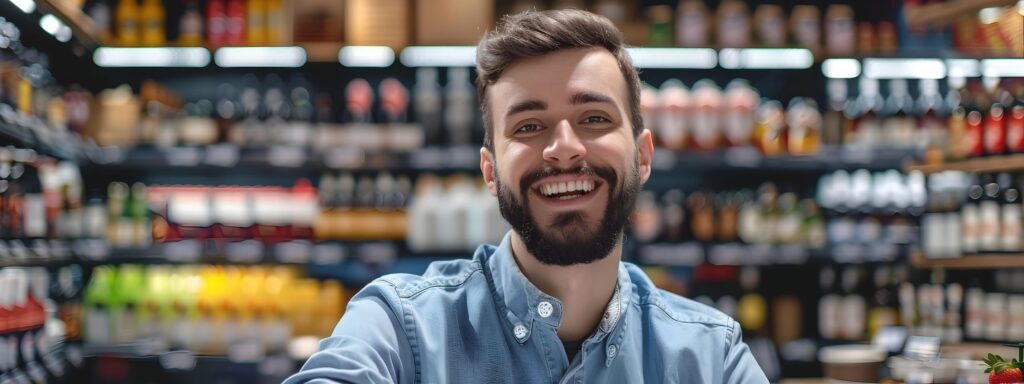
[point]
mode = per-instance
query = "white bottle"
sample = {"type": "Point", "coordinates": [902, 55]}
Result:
{"type": "Point", "coordinates": [427, 103]}
{"type": "Point", "coordinates": [460, 108]}
{"type": "Point", "coordinates": [422, 211]}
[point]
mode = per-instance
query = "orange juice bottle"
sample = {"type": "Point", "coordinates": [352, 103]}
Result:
{"type": "Point", "coordinates": [152, 23]}
{"type": "Point", "coordinates": [127, 16]}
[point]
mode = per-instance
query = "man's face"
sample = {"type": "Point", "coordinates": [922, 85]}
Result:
{"type": "Point", "coordinates": [566, 167]}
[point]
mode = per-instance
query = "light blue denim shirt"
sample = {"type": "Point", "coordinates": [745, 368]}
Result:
{"type": "Point", "coordinates": [482, 321]}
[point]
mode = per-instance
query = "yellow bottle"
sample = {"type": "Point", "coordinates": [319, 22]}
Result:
{"type": "Point", "coordinates": [256, 23]}
{"type": "Point", "coordinates": [277, 32]}
{"type": "Point", "coordinates": [153, 31]}
{"type": "Point", "coordinates": [127, 16]}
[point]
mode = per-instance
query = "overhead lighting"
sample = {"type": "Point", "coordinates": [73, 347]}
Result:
{"type": "Point", "coordinates": [1002, 67]}
{"type": "Point", "coordinates": [840, 68]}
{"type": "Point", "coordinates": [27, 6]}
{"type": "Point", "coordinates": [962, 68]}
{"type": "Point", "coordinates": [286, 57]}
{"type": "Point", "coordinates": [904, 68]}
{"type": "Point", "coordinates": [151, 57]}
{"type": "Point", "coordinates": [697, 58]}
{"type": "Point", "coordinates": [366, 56]}
{"type": "Point", "coordinates": [766, 58]}
{"type": "Point", "coordinates": [63, 34]}
{"type": "Point", "coordinates": [439, 56]}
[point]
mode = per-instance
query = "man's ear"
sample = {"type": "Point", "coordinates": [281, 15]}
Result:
{"type": "Point", "coordinates": [487, 169]}
{"type": "Point", "coordinates": [645, 144]}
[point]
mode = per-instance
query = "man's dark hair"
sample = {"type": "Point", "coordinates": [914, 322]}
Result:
{"type": "Point", "coordinates": [536, 33]}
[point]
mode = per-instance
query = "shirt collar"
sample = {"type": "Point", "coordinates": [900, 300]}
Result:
{"type": "Point", "coordinates": [524, 303]}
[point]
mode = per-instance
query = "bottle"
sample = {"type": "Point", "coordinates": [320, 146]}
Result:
{"type": "Point", "coordinates": [840, 31]}
{"type": "Point", "coordinates": [127, 15]}
{"type": "Point", "coordinates": [235, 28]}
{"type": "Point", "coordinates": [898, 125]}
{"type": "Point", "coordinates": [671, 126]}
{"type": "Point", "coordinates": [459, 106]}
{"type": "Point", "coordinates": [216, 23]}
{"type": "Point", "coordinates": [660, 18]}
{"type": "Point", "coordinates": [805, 24]}
{"type": "Point", "coordinates": [277, 31]}
{"type": "Point", "coordinates": [995, 129]}
{"type": "Point", "coordinates": [427, 104]}
{"type": "Point", "coordinates": [804, 123]}
{"type": "Point", "coordinates": [988, 215]}
{"type": "Point", "coordinates": [741, 102]}
{"type": "Point", "coordinates": [359, 102]}
{"type": "Point", "coordinates": [970, 225]}
{"type": "Point", "coordinates": [152, 21]}
{"type": "Point", "coordinates": [974, 129]}
{"type": "Point", "coordinates": [959, 147]}
{"type": "Point", "coordinates": [771, 25]}
{"type": "Point", "coordinates": [190, 31]}
{"type": "Point", "coordinates": [1015, 123]}
{"type": "Point", "coordinates": [728, 216]}
{"type": "Point", "coordinates": [833, 123]}
{"type": "Point", "coordinates": [692, 26]}
{"type": "Point", "coordinates": [1012, 227]}
{"type": "Point", "coordinates": [733, 24]}
{"type": "Point", "coordinates": [930, 111]}
{"type": "Point", "coordinates": [256, 22]}
{"type": "Point", "coordinates": [674, 215]}
{"type": "Point", "coordinates": [868, 125]}
{"type": "Point", "coordinates": [646, 219]}
{"type": "Point", "coordinates": [706, 124]}
{"type": "Point", "coordinates": [703, 211]}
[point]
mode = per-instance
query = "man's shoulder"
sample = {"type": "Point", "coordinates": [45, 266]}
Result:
{"type": "Point", "coordinates": [676, 308]}
{"type": "Point", "coordinates": [447, 274]}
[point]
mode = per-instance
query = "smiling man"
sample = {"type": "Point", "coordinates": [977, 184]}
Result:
{"type": "Point", "coordinates": [566, 154]}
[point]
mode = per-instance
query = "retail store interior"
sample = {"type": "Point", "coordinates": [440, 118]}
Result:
{"type": "Point", "coordinates": [190, 191]}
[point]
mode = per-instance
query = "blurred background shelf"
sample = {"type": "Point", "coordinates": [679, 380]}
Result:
{"type": "Point", "coordinates": [993, 164]}
{"type": "Point", "coordinates": [981, 261]}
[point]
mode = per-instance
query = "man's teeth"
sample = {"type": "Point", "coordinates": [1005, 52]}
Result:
{"type": "Point", "coordinates": [567, 186]}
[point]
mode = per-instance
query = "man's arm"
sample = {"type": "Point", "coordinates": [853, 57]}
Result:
{"type": "Point", "coordinates": [740, 366]}
{"type": "Point", "coordinates": [369, 345]}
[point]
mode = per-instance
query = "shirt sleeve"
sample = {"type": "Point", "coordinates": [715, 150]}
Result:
{"type": "Point", "coordinates": [740, 366]}
{"type": "Point", "coordinates": [369, 345]}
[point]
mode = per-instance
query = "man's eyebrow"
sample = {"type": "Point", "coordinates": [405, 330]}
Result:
{"type": "Point", "coordinates": [528, 105]}
{"type": "Point", "coordinates": [589, 97]}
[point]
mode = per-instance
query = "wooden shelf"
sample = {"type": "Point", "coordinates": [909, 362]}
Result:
{"type": "Point", "coordinates": [82, 26]}
{"type": "Point", "coordinates": [982, 261]}
{"type": "Point", "coordinates": [976, 350]}
{"type": "Point", "coordinates": [1008, 163]}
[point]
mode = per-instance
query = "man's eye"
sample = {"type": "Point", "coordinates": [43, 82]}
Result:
{"type": "Point", "coordinates": [595, 120]}
{"type": "Point", "coordinates": [528, 128]}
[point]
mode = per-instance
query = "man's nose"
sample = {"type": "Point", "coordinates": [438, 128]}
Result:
{"type": "Point", "coordinates": [565, 148]}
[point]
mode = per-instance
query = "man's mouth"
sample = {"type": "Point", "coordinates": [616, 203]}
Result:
{"type": "Point", "coordinates": [566, 189]}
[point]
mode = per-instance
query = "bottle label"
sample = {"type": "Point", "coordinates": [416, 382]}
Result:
{"type": "Point", "coordinates": [988, 226]}
{"type": "Point", "coordinates": [1011, 228]}
{"type": "Point", "coordinates": [969, 228]}
{"type": "Point", "coordinates": [995, 140]}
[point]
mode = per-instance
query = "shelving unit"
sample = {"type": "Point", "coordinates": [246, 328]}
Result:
{"type": "Point", "coordinates": [80, 23]}
{"type": "Point", "coordinates": [982, 261]}
{"type": "Point", "coordinates": [993, 164]}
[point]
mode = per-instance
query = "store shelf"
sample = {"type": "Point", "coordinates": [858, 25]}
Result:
{"type": "Point", "coordinates": [692, 254]}
{"type": "Point", "coordinates": [976, 350]}
{"type": "Point", "coordinates": [1010, 163]}
{"type": "Point", "coordinates": [982, 261]}
{"type": "Point", "coordinates": [112, 365]}
{"type": "Point", "coordinates": [829, 158]}
{"type": "Point", "coordinates": [59, 145]}
{"type": "Point", "coordinates": [79, 22]}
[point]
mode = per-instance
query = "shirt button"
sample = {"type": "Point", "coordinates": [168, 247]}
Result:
{"type": "Point", "coordinates": [519, 331]}
{"type": "Point", "coordinates": [612, 350]}
{"type": "Point", "coordinates": [544, 309]}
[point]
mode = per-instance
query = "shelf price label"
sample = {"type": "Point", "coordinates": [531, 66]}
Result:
{"type": "Point", "coordinates": [183, 156]}
{"type": "Point", "coordinates": [222, 155]}
{"type": "Point", "coordinates": [286, 156]}
{"type": "Point", "coordinates": [688, 254]}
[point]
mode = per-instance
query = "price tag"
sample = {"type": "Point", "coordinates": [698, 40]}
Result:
{"type": "Point", "coordinates": [18, 250]}
{"type": "Point", "coordinates": [792, 254]}
{"type": "Point", "coordinates": [689, 254]}
{"type": "Point", "coordinates": [246, 251]}
{"type": "Point", "coordinates": [59, 249]}
{"type": "Point", "coordinates": [377, 253]}
{"type": "Point", "coordinates": [297, 252]}
{"type": "Point", "coordinates": [93, 249]}
{"type": "Point", "coordinates": [743, 157]}
{"type": "Point", "coordinates": [344, 158]}
{"type": "Point", "coordinates": [183, 251]}
{"type": "Point", "coordinates": [178, 360]}
{"type": "Point", "coordinates": [222, 155]}
{"type": "Point", "coordinates": [328, 253]}
{"type": "Point", "coordinates": [922, 348]}
{"type": "Point", "coordinates": [663, 160]}
{"type": "Point", "coordinates": [41, 249]}
{"type": "Point", "coordinates": [847, 253]}
{"type": "Point", "coordinates": [881, 252]}
{"type": "Point", "coordinates": [726, 254]}
{"type": "Point", "coordinates": [277, 366]}
{"type": "Point", "coordinates": [426, 158]}
{"type": "Point", "coordinates": [183, 156]}
{"type": "Point", "coordinates": [463, 157]}
{"type": "Point", "coordinates": [286, 156]}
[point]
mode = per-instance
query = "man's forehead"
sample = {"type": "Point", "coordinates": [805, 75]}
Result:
{"type": "Point", "coordinates": [558, 76]}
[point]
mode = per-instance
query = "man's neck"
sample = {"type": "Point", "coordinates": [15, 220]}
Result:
{"type": "Point", "coordinates": [583, 289]}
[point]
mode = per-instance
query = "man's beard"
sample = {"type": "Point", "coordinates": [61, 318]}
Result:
{"type": "Point", "coordinates": [575, 242]}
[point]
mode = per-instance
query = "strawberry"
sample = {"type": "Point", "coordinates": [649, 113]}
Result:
{"type": "Point", "coordinates": [1001, 371]}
